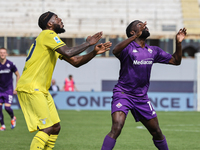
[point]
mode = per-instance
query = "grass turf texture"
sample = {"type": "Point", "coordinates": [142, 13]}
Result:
{"type": "Point", "coordinates": [85, 130]}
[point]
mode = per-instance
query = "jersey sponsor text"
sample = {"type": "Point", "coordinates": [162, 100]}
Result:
{"type": "Point", "coordinates": [142, 62]}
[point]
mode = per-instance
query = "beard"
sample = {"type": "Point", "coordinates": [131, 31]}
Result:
{"type": "Point", "coordinates": [145, 34]}
{"type": "Point", "coordinates": [58, 29]}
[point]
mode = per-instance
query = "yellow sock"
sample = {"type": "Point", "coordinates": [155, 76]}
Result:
{"type": "Point", "coordinates": [39, 141]}
{"type": "Point", "coordinates": [51, 142]}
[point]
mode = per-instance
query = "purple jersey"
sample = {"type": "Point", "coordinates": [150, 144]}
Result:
{"type": "Point", "coordinates": [136, 63]}
{"type": "Point", "coordinates": [6, 79]}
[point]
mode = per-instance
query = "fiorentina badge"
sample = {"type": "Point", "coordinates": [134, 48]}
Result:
{"type": "Point", "coordinates": [149, 50]}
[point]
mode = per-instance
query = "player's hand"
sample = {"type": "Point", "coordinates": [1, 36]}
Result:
{"type": "Point", "coordinates": [140, 27]}
{"type": "Point", "coordinates": [103, 47]}
{"type": "Point", "coordinates": [95, 38]}
{"type": "Point", "coordinates": [181, 35]}
{"type": "Point", "coordinates": [15, 92]}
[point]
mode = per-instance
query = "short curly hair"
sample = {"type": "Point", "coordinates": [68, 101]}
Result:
{"type": "Point", "coordinates": [130, 27]}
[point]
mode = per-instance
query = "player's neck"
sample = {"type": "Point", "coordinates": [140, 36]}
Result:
{"type": "Point", "coordinates": [140, 42]}
{"type": "Point", "coordinates": [3, 61]}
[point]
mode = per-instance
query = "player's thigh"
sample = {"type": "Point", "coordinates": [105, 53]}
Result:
{"type": "Point", "coordinates": [52, 109]}
{"type": "Point", "coordinates": [36, 110]}
{"type": "Point", "coordinates": [118, 118]}
{"type": "Point", "coordinates": [152, 126]}
{"type": "Point", "coordinates": [120, 103]}
{"type": "Point", "coordinates": [7, 105]}
{"type": "Point", "coordinates": [34, 103]}
{"type": "Point", "coordinates": [1, 100]}
{"type": "Point", "coordinates": [6, 98]}
{"type": "Point", "coordinates": [143, 109]}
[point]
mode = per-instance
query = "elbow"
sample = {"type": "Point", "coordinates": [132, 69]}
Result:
{"type": "Point", "coordinates": [77, 66]}
{"type": "Point", "coordinates": [176, 60]}
{"type": "Point", "coordinates": [177, 63]}
{"type": "Point", "coordinates": [74, 61]}
{"type": "Point", "coordinates": [114, 51]}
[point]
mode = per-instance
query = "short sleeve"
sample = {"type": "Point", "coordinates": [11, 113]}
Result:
{"type": "Point", "coordinates": [161, 56]}
{"type": "Point", "coordinates": [52, 41]}
{"type": "Point", "coordinates": [60, 57]}
{"type": "Point", "coordinates": [13, 68]}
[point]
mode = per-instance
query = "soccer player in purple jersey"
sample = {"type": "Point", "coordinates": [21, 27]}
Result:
{"type": "Point", "coordinates": [130, 93]}
{"type": "Point", "coordinates": [7, 68]}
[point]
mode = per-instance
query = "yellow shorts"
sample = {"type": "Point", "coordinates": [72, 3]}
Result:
{"type": "Point", "coordinates": [39, 110]}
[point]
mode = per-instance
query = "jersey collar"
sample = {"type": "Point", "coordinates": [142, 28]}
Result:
{"type": "Point", "coordinates": [138, 46]}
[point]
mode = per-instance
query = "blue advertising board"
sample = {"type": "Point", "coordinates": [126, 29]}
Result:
{"type": "Point", "coordinates": [102, 101]}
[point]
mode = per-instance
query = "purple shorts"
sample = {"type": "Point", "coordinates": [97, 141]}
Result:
{"type": "Point", "coordinates": [140, 109]}
{"type": "Point", "coordinates": [6, 98]}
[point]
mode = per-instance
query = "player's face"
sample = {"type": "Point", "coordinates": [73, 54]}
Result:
{"type": "Point", "coordinates": [57, 24]}
{"type": "Point", "coordinates": [3, 54]}
{"type": "Point", "coordinates": [145, 33]}
{"type": "Point", "coordinates": [53, 82]}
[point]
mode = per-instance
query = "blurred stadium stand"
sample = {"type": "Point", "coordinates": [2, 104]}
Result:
{"type": "Point", "coordinates": [18, 26]}
{"type": "Point", "coordinates": [191, 16]}
{"type": "Point", "coordinates": [83, 17]}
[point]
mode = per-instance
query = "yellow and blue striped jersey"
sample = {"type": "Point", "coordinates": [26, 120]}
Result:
{"type": "Point", "coordinates": [40, 63]}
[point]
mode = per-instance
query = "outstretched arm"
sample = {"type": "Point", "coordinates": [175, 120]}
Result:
{"type": "Point", "coordinates": [78, 61]}
{"type": "Point", "coordinates": [119, 47]}
{"type": "Point", "coordinates": [177, 56]}
{"type": "Point", "coordinates": [69, 52]}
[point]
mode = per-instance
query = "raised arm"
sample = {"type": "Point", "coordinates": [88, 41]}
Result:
{"type": "Point", "coordinates": [177, 56]}
{"type": "Point", "coordinates": [72, 51]}
{"type": "Point", "coordinates": [119, 47]}
{"type": "Point", "coordinates": [78, 61]}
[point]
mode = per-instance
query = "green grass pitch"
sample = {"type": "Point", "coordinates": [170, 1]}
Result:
{"type": "Point", "coordinates": [85, 130]}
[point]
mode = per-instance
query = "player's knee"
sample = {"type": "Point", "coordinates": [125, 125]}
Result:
{"type": "Point", "coordinates": [7, 108]}
{"type": "Point", "coordinates": [56, 128]}
{"type": "Point", "coordinates": [116, 131]}
{"type": "Point", "coordinates": [117, 127]}
{"type": "Point", "coordinates": [48, 130]}
{"type": "Point", "coordinates": [157, 134]}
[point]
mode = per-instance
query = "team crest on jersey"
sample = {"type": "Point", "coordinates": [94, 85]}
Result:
{"type": "Point", "coordinates": [119, 105]}
{"type": "Point", "coordinates": [57, 39]}
{"type": "Point", "coordinates": [135, 51]}
{"type": "Point", "coordinates": [8, 65]}
{"type": "Point", "coordinates": [43, 120]}
{"type": "Point", "coordinates": [149, 50]}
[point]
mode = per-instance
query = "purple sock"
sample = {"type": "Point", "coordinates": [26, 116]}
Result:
{"type": "Point", "coordinates": [1, 116]}
{"type": "Point", "coordinates": [161, 144]}
{"type": "Point", "coordinates": [10, 111]}
{"type": "Point", "coordinates": [108, 143]}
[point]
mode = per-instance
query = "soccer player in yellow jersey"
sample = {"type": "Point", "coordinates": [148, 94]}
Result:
{"type": "Point", "coordinates": [36, 102]}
